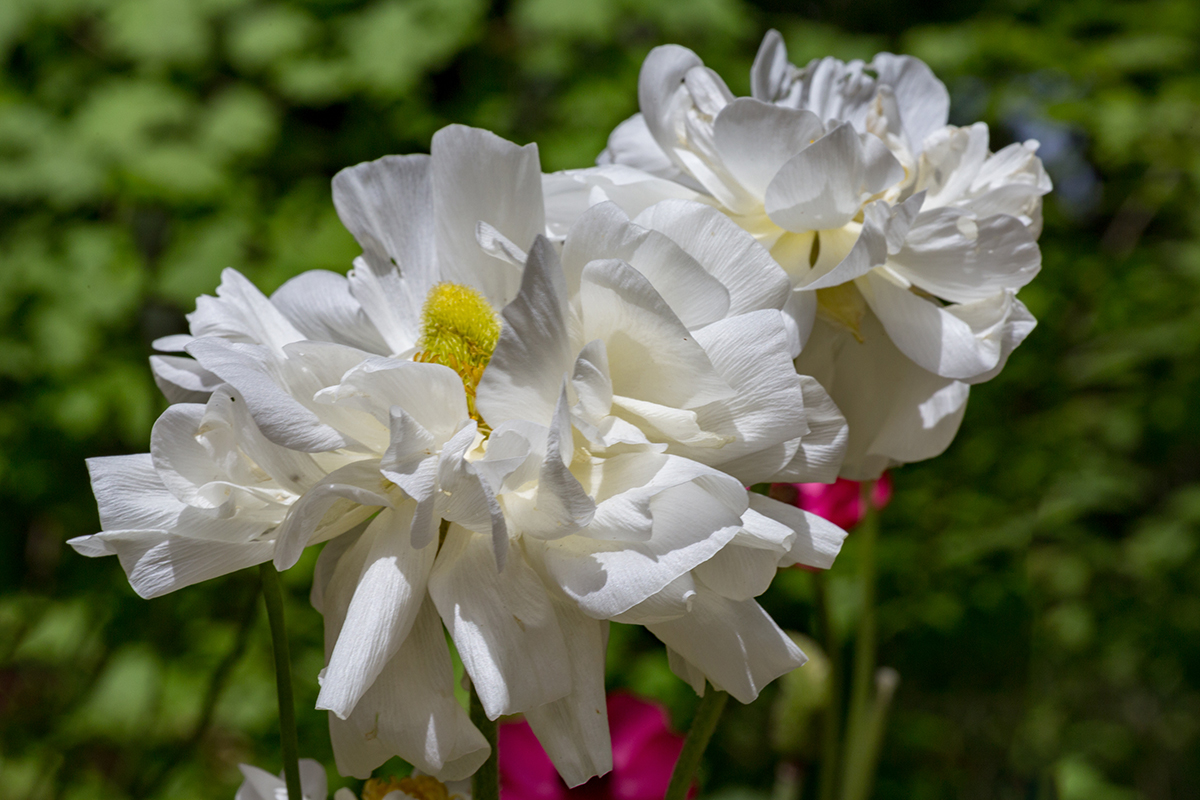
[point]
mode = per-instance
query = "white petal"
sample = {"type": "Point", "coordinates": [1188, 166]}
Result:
{"type": "Point", "coordinates": [632, 144]}
{"type": "Point", "coordinates": [432, 394]}
{"type": "Point", "coordinates": [690, 522]}
{"type": "Point", "coordinates": [745, 567]}
{"type": "Point", "coordinates": [752, 355]}
{"type": "Point", "coordinates": [410, 711]}
{"type": "Point", "coordinates": [319, 304]}
{"type": "Point", "coordinates": [241, 313]}
{"type": "Point", "coordinates": [525, 374]}
{"type": "Point", "coordinates": [751, 277]}
{"type": "Point", "coordinates": [280, 415]}
{"type": "Point", "coordinates": [258, 784]}
{"type": "Point", "coordinates": [823, 186]}
{"type": "Point", "coordinates": [770, 67]}
{"type": "Point", "coordinates": [755, 139]}
{"type": "Point", "coordinates": [502, 624]}
{"type": "Point", "coordinates": [896, 411]}
{"type": "Point", "coordinates": [130, 494]}
{"type": "Point", "coordinates": [560, 506]}
{"type": "Point", "coordinates": [477, 176]}
{"type": "Point", "coordinates": [388, 576]}
{"type": "Point", "coordinates": [183, 380]}
{"type": "Point", "coordinates": [466, 497]}
{"type": "Point", "coordinates": [735, 643]}
{"type": "Point", "coordinates": [1019, 324]}
{"type": "Point", "coordinates": [605, 232]}
{"type": "Point", "coordinates": [387, 205]}
{"type": "Point", "coordinates": [359, 482]}
{"type": "Point", "coordinates": [956, 341]}
{"type": "Point", "coordinates": [688, 672]}
{"type": "Point", "coordinates": [651, 355]}
{"type": "Point", "coordinates": [821, 451]}
{"type": "Point", "coordinates": [817, 541]}
{"type": "Point", "coordinates": [954, 256]}
{"type": "Point", "coordinates": [392, 302]}
{"type": "Point", "coordinates": [661, 89]}
{"type": "Point", "coordinates": [574, 730]}
{"type": "Point", "coordinates": [158, 562]}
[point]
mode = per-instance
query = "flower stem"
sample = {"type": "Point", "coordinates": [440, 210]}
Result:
{"type": "Point", "coordinates": [703, 725]}
{"type": "Point", "coordinates": [485, 783]}
{"type": "Point", "coordinates": [862, 679]}
{"type": "Point", "coordinates": [831, 731]}
{"type": "Point", "coordinates": [860, 768]}
{"type": "Point", "coordinates": [273, 597]}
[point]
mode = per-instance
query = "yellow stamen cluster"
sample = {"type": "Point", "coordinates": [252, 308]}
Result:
{"type": "Point", "coordinates": [459, 330]}
{"type": "Point", "coordinates": [422, 787]}
{"type": "Point", "coordinates": [843, 306]}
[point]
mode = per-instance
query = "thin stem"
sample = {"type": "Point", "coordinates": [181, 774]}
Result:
{"type": "Point", "coordinates": [861, 688]}
{"type": "Point", "coordinates": [861, 775]}
{"type": "Point", "coordinates": [212, 695]}
{"type": "Point", "coordinates": [485, 783]}
{"type": "Point", "coordinates": [273, 597]}
{"type": "Point", "coordinates": [703, 725]}
{"type": "Point", "coordinates": [831, 730]}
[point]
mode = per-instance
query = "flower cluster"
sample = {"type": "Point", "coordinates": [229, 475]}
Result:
{"type": "Point", "coordinates": [534, 404]}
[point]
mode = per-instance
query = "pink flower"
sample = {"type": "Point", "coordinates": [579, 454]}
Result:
{"type": "Point", "coordinates": [644, 753]}
{"type": "Point", "coordinates": [840, 502]}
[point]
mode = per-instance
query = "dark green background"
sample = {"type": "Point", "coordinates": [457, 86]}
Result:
{"type": "Point", "coordinates": [1039, 581]}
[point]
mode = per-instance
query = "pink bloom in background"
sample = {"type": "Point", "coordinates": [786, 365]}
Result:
{"type": "Point", "coordinates": [644, 753]}
{"type": "Point", "coordinates": [840, 502]}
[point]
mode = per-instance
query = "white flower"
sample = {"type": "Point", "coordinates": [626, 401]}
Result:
{"type": "Point", "coordinates": [514, 442]}
{"type": "Point", "coordinates": [638, 382]}
{"type": "Point", "coordinates": [262, 785]}
{"type": "Point", "coordinates": [904, 235]}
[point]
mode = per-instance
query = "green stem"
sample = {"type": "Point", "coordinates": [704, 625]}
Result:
{"type": "Point", "coordinates": [861, 775]}
{"type": "Point", "coordinates": [856, 745]}
{"type": "Point", "coordinates": [831, 732]}
{"type": "Point", "coordinates": [273, 597]}
{"type": "Point", "coordinates": [485, 783]}
{"type": "Point", "coordinates": [703, 725]}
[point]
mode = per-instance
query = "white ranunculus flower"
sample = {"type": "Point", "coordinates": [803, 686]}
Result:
{"type": "Point", "coordinates": [518, 441]}
{"type": "Point", "coordinates": [258, 784]}
{"type": "Point", "coordinates": [905, 234]}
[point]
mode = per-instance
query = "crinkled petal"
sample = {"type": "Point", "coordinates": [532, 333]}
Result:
{"type": "Point", "coordinates": [502, 623]}
{"type": "Point", "coordinates": [525, 374]}
{"type": "Point", "coordinates": [817, 541]}
{"type": "Point", "coordinates": [574, 730]}
{"type": "Point", "coordinates": [359, 482]}
{"type": "Point", "coordinates": [389, 577]}
{"type": "Point", "coordinates": [477, 176]}
{"type": "Point", "coordinates": [734, 643]}
{"type": "Point", "coordinates": [319, 304]}
{"type": "Point", "coordinates": [755, 139]}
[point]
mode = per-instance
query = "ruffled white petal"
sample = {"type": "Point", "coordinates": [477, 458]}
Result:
{"type": "Point", "coordinates": [574, 730]}
{"type": "Point", "coordinates": [388, 578]}
{"type": "Point", "coordinates": [477, 176]}
{"type": "Point", "coordinates": [525, 374]}
{"type": "Point", "coordinates": [734, 643]}
{"type": "Point", "coordinates": [502, 623]}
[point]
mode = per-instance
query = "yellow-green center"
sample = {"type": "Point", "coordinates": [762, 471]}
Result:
{"type": "Point", "coordinates": [459, 330]}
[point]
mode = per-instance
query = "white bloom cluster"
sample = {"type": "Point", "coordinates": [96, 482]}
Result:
{"type": "Point", "coordinates": [534, 404]}
{"type": "Point", "coordinates": [904, 237]}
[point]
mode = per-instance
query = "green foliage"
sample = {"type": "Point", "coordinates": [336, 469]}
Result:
{"type": "Point", "coordinates": [1037, 581]}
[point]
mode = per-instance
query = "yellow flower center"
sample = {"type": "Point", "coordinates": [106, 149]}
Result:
{"type": "Point", "coordinates": [422, 787]}
{"type": "Point", "coordinates": [459, 330]}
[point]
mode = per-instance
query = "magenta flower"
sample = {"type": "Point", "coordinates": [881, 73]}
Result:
{"type": "Point", "coordinates": [644, 753]}
{"type": "Point", "coordinates": [840, 502]}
